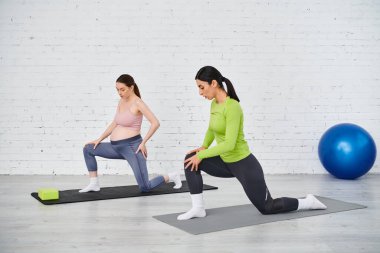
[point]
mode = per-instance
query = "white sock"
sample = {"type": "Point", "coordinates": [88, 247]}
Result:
{"type": "Point", "coordinates": [174, 177]}
{"type": "Point", "coordinates": [93, 186]}
{"type": "Point", "coordinates": [197, 211]}
{"type": "Point", "coordinates": [310, 203]}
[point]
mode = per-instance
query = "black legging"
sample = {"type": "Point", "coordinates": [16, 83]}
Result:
{"type": "Point", "coordinates": [249, 173]}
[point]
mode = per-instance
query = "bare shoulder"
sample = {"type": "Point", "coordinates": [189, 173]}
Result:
{"type": "Point", "coordinates": [139, 102]}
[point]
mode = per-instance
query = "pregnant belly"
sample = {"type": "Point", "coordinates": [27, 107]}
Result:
{"type": "Point", "coordinates": [120, 133]}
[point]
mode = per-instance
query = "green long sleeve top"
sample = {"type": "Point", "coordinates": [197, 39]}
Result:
{"type": "Point", "coordinates": [226, 127]}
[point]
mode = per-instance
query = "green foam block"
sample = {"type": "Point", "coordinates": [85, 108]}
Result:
{"type": "Point", "coordinates": [48, 193]}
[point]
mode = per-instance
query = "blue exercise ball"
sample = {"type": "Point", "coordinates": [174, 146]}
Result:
{"type": "Point", "coordinates": [347, 151]}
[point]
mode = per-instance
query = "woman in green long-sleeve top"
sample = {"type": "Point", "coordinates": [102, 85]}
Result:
{"type": "Point", "coordinates": [230, 157]}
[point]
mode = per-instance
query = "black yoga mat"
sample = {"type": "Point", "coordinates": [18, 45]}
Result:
{"type": "Point", "coordinates": [230, 217]}
{"type": "Point", "coordinates": [116, 192]}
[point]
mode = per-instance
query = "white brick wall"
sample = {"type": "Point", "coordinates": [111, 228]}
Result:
{"type": "Point", "coordinates": [299, 67]}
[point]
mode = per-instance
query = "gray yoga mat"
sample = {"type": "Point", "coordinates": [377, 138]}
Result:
{"type": "Point", "coordinates": [230, 217]}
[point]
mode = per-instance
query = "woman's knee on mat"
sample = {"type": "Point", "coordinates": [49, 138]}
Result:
{"type": "Point", "coordinates": [144, 188]}
{"type": "Point", "coordinates": [270, 206]}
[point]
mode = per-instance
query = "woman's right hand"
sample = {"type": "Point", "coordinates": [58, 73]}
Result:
{"type": "Point", "coordinates": [95, 142]}
{"type": "Point", "coordinates": [196, 150]}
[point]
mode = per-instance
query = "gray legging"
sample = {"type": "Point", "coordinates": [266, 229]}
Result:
{"type": "Point", "coordinates": [249, 173]}
{"type": "Point", "coordinates": [126, 150]}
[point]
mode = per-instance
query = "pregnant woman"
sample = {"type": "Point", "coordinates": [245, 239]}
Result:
{"type": "Point", "coordinates": [126, 142]}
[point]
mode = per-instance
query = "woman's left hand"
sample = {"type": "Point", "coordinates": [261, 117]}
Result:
{"type": "Point", "coordinates": [143, 150]}
{"type": "Point", "coordinates": [194, 161]}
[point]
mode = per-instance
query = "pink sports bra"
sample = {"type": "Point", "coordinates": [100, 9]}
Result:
{"type": "Point", "coordinates": [128, 119]}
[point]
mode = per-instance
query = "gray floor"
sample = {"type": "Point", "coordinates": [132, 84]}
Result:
{"type": "Point", "coordinates": [126, 225]}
